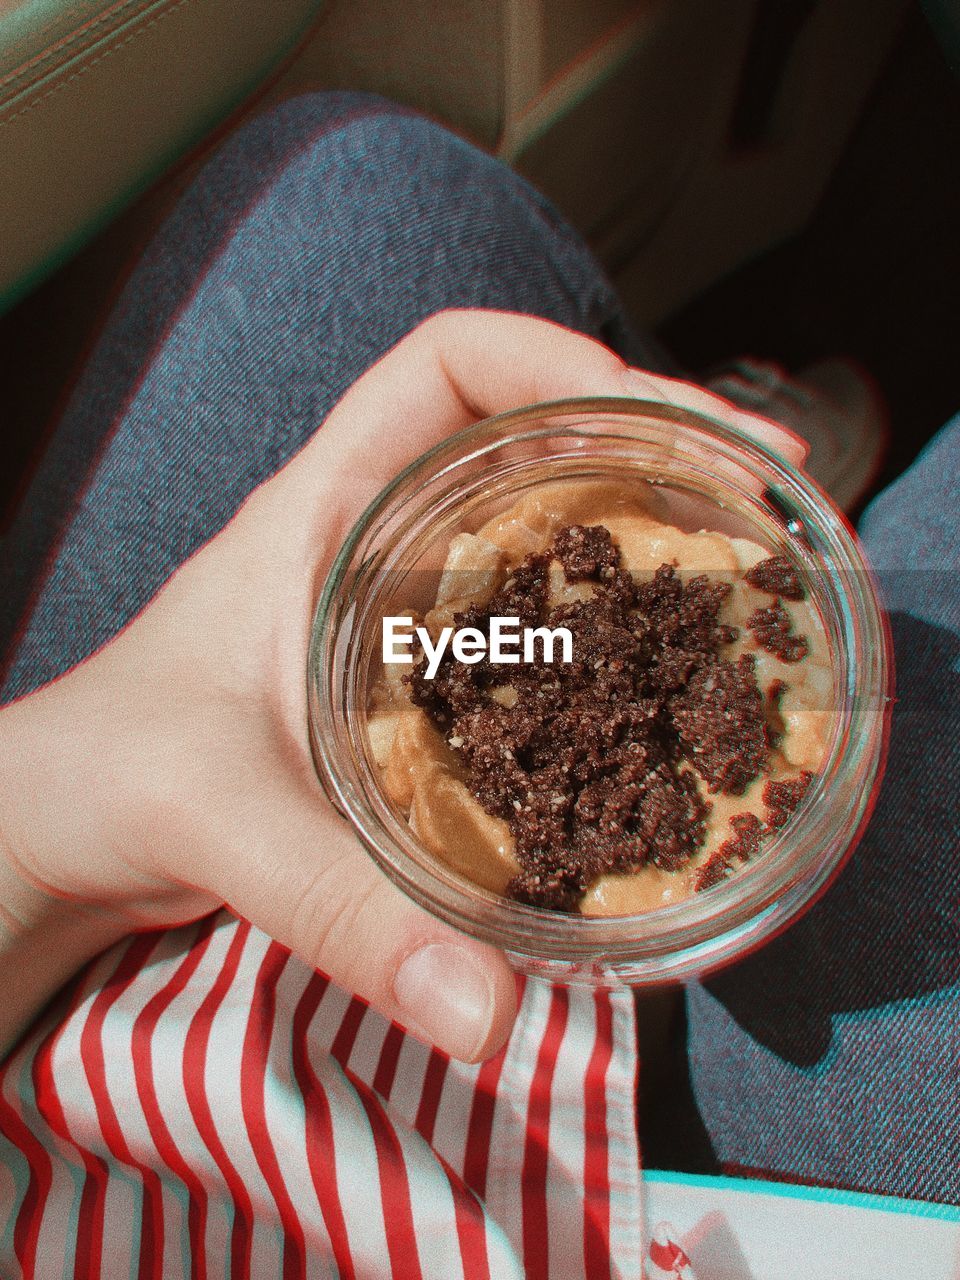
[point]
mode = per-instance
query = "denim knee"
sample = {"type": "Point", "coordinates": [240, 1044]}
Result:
{"type": "Point", "coordinates": [466, 227]}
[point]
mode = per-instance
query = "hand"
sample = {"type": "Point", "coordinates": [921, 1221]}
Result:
{"type": "Point", "coordinates": [170, 773]}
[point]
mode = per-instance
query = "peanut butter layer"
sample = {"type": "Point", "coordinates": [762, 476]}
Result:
{"type": "Point", "coordinates": [426, 764]}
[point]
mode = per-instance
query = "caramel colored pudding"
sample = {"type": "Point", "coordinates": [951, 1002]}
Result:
{"type": "Point", "coordinates": [697, 708]}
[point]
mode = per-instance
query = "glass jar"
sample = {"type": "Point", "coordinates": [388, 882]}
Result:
{"type": "Point", "coordinates": [725, 481]}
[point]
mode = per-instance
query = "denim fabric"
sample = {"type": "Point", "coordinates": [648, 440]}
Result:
{"type": "Point", "coordinates": [317, 238]}
{"type": "Point", "coordinates": [833, 1055]}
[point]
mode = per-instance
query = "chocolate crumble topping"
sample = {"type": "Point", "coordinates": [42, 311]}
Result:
{"type": "Point", "coordinates": [777, 577]}
{"type": "Point", "coordinates": [719, 718]}
{"type": "Point", "coordinates": [590, 761]}
{"type": "Point", "coordinates": [743, 845]}
{"type": "Point", "coordinates": [771, 626]}
{"type": "Point", "coordinates": [714, 871]}
{"type": "Point", "coordinates": [781, 798]}
{"type": "Point", "coordinates": [585, 552]}
{"type": "Point", "coordinates": [747, 840]}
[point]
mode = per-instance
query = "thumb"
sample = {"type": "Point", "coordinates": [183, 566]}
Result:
{"type": "Point", "coordinates": [309, 884]}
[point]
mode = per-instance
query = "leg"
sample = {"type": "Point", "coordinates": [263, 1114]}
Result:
{"type": "Point", "coordinates": [311, 244]}
{"type": "Point", "coordinates": [832, 1055]}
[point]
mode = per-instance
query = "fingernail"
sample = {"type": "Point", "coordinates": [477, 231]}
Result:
{"type": "Point", "coordinates": [446, 997]}
{"type": "Point", "coordinates": [636, 383]}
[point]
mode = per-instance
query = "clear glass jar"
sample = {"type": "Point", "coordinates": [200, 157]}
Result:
{"type": "Point", "coordinates": [728, 482]}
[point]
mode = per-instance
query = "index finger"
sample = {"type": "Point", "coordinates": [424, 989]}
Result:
{"type": "Point", "coordinates": [461, 366]}
{"type": "Point", "coordinates": [451, 371]}
{"type": "Point", "coordinates": [690, 395]}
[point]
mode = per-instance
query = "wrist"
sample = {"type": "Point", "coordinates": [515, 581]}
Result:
{"type": "Point", "coordinates": [47, 929]}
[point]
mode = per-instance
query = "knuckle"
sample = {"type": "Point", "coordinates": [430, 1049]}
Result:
{"type": "Point", "coordinates": [327, 920]}
{"type": "Point", "coordinates": [436, 328]}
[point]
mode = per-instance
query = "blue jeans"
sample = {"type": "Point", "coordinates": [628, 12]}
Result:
{"type": "Point", "coordinates": [833, 1055]}
{"type": "Point", "coordinates": [313, 241]}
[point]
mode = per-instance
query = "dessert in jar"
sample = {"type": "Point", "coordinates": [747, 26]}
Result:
{"type": "Point", "coordinates": [695, 708]}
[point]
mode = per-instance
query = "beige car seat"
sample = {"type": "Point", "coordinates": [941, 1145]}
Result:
{"type": "Point", "coordinates": [678, 135]}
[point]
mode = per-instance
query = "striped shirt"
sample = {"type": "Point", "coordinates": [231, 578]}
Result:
{"type": "Point", "coordinates": [198, 1103]}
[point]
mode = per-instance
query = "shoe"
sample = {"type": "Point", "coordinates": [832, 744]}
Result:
{"type": "Point", "coordinates": [834, 404]}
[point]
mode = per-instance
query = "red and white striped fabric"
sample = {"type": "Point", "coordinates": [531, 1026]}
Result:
{"type": "Point", "coordinates": [201, 1104]}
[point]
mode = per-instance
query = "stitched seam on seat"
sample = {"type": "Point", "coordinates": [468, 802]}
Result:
{"type": "Point", "coordinates": [88, 66]}
{"type": "Point", "coordinates": [38, 62]}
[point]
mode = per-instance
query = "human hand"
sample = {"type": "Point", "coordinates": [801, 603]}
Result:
{"type": "Point", "coordinates": [170, 773]}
